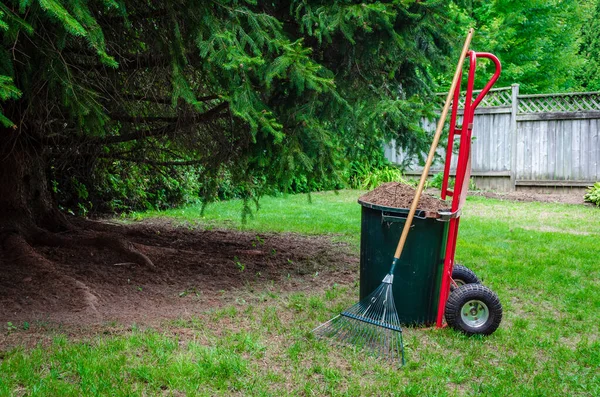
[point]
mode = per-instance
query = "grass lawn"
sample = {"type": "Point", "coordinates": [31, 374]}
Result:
{"type": "Point", "coordinates": [543, 260]}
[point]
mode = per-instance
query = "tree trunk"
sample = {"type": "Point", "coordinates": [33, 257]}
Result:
{"type": "Point", "coordinates": [25, 199]}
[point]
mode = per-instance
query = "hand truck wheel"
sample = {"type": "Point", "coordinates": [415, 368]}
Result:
{"type": "Point", "coordinates": [462, 275]}
{"type": "Point", "coordinates": [473, 309]}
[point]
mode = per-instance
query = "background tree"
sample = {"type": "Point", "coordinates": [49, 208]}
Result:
{"type": "Point", "coordinates": [263, 92]}
{"type": "Point", "coordinates": [590, 50]}
{"type": "Point", "coordinates": [537, 41]}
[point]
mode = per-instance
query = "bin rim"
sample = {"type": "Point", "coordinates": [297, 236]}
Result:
{"type": "Point", "coordinates": [419, 214]}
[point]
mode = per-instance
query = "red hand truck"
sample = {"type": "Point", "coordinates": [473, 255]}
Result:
{"type": "Point", "coordinates": [464, 303]}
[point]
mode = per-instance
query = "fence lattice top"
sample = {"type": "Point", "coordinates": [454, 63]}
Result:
{"type": "Point", "coordinates": [496, 97]}
{"type": "Point", "coordinates": [575, 102]}
{"type": "Point", "coordinates": [539, 103]}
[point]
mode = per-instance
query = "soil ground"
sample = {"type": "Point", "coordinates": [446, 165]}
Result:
{"type": "Point", "coordinates": [195, 270]}
{"type": "Point", "coordinates": [566, 198]}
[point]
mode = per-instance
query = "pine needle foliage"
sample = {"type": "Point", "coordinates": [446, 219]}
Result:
{"type": "Point", "coordinates": [269, 93]}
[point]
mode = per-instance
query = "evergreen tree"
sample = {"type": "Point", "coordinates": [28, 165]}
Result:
{"type": "Point", "coordinates": [261, 90]}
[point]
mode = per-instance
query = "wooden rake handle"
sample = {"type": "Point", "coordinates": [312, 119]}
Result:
{"type": "Point", "coordinates": [436, 139]}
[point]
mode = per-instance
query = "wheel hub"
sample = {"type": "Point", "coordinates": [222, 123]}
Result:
{"type": "Point", "coordinates": [474, 313]}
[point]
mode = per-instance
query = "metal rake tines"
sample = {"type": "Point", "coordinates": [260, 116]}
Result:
{"type": "Point", "coordinates": [372, 325]}
{"type": "Point", "coordinates": [378, 309]}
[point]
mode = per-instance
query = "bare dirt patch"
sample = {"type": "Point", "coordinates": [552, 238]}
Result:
{"type": "Point", "coordinates": [195, 270]}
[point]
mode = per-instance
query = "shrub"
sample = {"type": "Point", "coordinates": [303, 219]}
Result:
{"type": "Point", "coordinates": [593, 194]}
{"type": "Point", "coordinates": [117, 187]}
{"type": "Point", "coordinates": [365, 176]}
{"type": "Point", "coordinates": [437, 179]}
{"type": "Point", "coordinates": [382, 175]}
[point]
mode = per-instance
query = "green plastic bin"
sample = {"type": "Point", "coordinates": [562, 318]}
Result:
{"type": "Point", "coordinates": [418, 274]}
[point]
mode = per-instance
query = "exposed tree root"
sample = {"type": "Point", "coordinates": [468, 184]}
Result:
{"type": "Point", "coordinates": [92, 239]}
{"type": "Point", "coordinates": [63, 233]}
{"type": "Point", "coordinates": [17, 249]}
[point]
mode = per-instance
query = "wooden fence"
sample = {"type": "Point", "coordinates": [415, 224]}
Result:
{"type": "Point", "coordinates": [540, 142]}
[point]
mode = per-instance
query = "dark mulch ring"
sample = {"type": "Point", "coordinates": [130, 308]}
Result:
{"type": "Point", "coordinates": [196, 270]}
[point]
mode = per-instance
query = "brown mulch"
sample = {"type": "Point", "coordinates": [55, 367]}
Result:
{"type": "Point", "coordinates": [195, 270]}
{"type": "Point", "coordinates": [575, 197]}
{"type": "Point", "coordinates": [399, 195]}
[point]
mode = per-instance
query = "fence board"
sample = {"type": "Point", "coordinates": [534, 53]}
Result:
{"type": "Point", "coordinates": [595, 132]}
{"type": "Point", "coordinates": [551, 149]}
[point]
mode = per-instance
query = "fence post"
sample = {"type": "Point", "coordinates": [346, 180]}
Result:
{"type": "Point", "coordinates": [513, 132]}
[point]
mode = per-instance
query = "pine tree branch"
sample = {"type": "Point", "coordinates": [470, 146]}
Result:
{"type": "Point", "coordinates": [162, 100]}
{"type": "Point", "coordinates": [124, 118]}
{"type": "Point", "coordinates": [151, 162]}
{"type": "Point", "coordinates": [88, 60]}
{"type": "Point", "coordinates": [135, 16]}
{"type": "Point", "coordinates": [209, 115]}
{"type": "Point", "coordinates": [135, 62]}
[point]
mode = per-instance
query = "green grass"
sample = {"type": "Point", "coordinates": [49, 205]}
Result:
{"type": "Point", "coordinates": [542, 260]}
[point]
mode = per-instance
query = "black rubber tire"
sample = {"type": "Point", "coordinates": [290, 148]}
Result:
{"type": "Point", "coordinates": [460, 299]}
{"type": "Point", "coordinates": [463, 275]}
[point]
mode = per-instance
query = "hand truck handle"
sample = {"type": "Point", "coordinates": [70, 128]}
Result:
{"type": "Point", "coordinates": [468, 111]}
{"type": "Point", "coordinates": [492, 81]}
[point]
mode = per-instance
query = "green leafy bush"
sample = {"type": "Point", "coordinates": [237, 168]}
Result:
{"type": "Point", "coordinates": [383, 175]}
{"type": "Point", "coordinates": [363, 175]}
{"type": "Point", "coordinates": [593, 194]}
{"type": "Point", "coordinates": [437, 180]}
{"type": "Point", "coordinates": [117, 187]}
